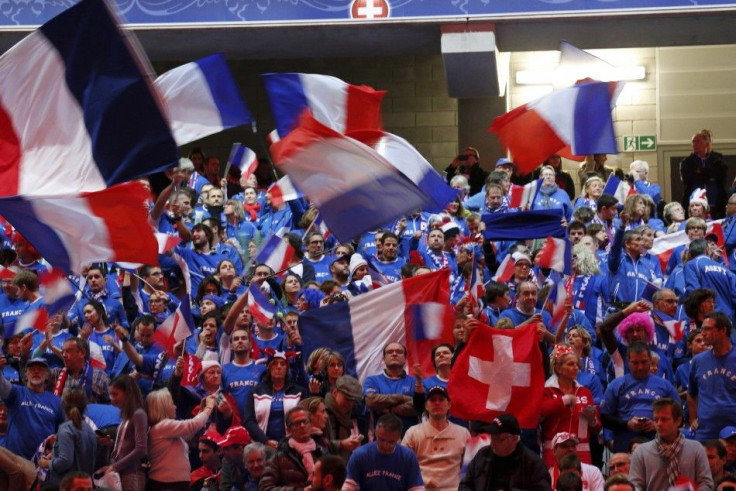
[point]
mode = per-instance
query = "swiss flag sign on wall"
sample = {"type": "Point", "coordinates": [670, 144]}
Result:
{"type": "Point", "coordinates": [370, 9]}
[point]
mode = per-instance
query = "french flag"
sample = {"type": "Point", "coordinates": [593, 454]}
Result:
{"type": "Point", "coordinates": [58, 293]}
{"type": "Point", "coordinates": [37, 319]}
{"type": "Point", "coordinates": [260, 308]}
{"type": "Point", "coordinates": [333, 102]}
{"type": "Point", "coordinates": [320, 225]}
{"type": "Point", "coordinates": [618, 189]}
{"type": "Point", "coordinates": [664, 245]}
{"type": "Point", "coordinates": [276, 253]}
{"type": "Point", "coordinates": [201, 99]}
{"type": "Point", "coordinates": [401, 154]}
{"type": "Point", "coordinates": [523, 196]}
{"type": "Point", "coordinates": [560, 292]}
{"type": "Point", "coordinates": [352, 328]}
{"type": "Point", "coordinates": [555, 254]}
{"type": "Point", "coordinates": [429, 324]}
{"type": "Point", "coordinates": [282, 191]}
{"type": "Point", "coordinates": [372, 194]}
{"type": "Point", "coordinates": [505, 270]}
{"type": "Point", "coordinates": [675, 327]}
{"type": "Point", "coordinates": [244, 159]}
{"type": "Point", "coordinates": [579, 116]}
{"type": "Point", "coordinates": [649, 290]}
{"type": "Point", "coordinates": [76, 111]}
{"type": "Point", "coordinates": [69, 232]}
{"type": "Point", "coordinates": [377, 278]}
{"type": "Point", "coordinates": [176, 328]}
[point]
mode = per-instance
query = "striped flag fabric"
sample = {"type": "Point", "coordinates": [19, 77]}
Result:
{"type": "Point", "coordinates": [260, 308]}
{"type": "Point", "coordinates": [555, 254]}
{"type": "Point", "coordinates": [523, 196]}
{"type": "Point", "coordinates": [618, 189]}
{"type": "Point", "coordinates": [58, 293]}
{"type": "Point", "coordinates": [201, 99]}
{"type": "Point", "coordinates": [78, 110]}
{"type": "Point", "coordinates": [176, 328]}
{"type": "Point", "coordinates": [276, 253]}
{"type": "Point", "coordinates": [244, 159]}
{"type": "Point", "coordinates": [282, 191]}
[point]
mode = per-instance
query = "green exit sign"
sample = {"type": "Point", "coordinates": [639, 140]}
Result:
{"type": "Point", "coordinates": [640, 143]}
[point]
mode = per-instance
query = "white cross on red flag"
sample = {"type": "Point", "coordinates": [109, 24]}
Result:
{"type": "Point", "coordinates": [499, 371]}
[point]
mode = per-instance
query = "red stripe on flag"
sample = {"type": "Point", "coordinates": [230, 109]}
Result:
{"type": "Point", "coordinates": [10, 155]}
{"type": "Point", "coordinates": [122, 209]}
{"type": "Point", "coordinates": [527, 136]}
{"type": "Point", "coordinates": [363, 108]}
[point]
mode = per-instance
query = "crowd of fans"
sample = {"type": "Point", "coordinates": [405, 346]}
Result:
{"type": "Point", "coordinates": [239, 405]}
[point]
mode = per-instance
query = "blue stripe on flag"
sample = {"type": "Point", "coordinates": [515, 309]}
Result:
{"type": "Point", "coordinates": [130, 137]}
{"type": "Point", "coordinates": [372, 205]}
{"type": "Point", "coordinates": [233, 110]}
{"type": "Point", "coordinates": [593, 124]}
{"type": "Point", "coordinates": [21, 213]}
{"type": "Point", "coordinates": [287, 98]}
{"type": "Point", "coordinates": [438, 190]}
{"type": "Point", "coordinates": [330, 326]}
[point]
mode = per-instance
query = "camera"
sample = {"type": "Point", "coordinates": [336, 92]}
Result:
{"type": "Point", "coordinates": [337, 297]}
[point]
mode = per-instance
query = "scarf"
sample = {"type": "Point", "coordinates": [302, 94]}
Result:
{"type": "Point", "coordinates": [102, 294]}
{"type": "Point", "coordinates": [669, 452]}
{"type": "Point", "coordinates": [252, 210]}
{"type": "Point", "coordinates": [305, 450]}
{"type": "Point", "coordinates": [86, 375]}
{"type": "Point", "coordinates": [545, 192]}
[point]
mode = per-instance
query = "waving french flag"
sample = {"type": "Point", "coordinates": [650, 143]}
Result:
{"type": "Point", "coordinates": [505, 270]}
{"type": "Point", "coordinates": [36, 319]}
{"type": "Point", "coordinates": [260, 308]}
{"type": "Point", "coordinates": [618, 189]}
{"type": "Point", "coordinates": [523, 196]}
{"type": "Point", "coordinates": [333, 102]}
{"type": "Point", "coordinates": [402, 155]}
{"type": "Point", "coordinates": [579, 116]}
{"type": "Point", "coordinates": [371, 194]}
{"type": "Point", "coordinates": [76, 111]}
{"type": "Point", "coordinates": [276, 253]}
{"type": "Point", "coordinates": [675, 327]}
{"type": "Point", "coordinates": [244, 159]}
{"type": "Point", "coordinates": [71, 231]}
{"type": "Point", "coordinates": [201, 99]}
{"type": "Point", "coordinates": [354, 327]}
{"type": "Point", "coordinates": [555, 254]}
{"type": "Point", "coordinates": [430, 324]}
{"type": "Point", "coordinates": [282, 191]}
{"type": "Point", "coordinates": [176, 328]}
{"type": "Point", "coordinates": [58, 293]}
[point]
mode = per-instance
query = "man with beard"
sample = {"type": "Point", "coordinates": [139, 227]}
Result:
{"type": "Point", "coordinates": [340, 271]}
{"type": "Point", "coordinates": [390, 263]}
{"type": "Point", "coordinates": [329, 474]}
{"type": "Point", "coordinates": [242, 374]}
{"type": "Point", "coordinates": [33, 412]}
{"type": "Point", "coordinates": [344, 405]}
{"type": "Point", "coordinates": [201, 260]}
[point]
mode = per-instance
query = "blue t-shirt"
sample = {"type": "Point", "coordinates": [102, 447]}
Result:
{"type": "Point", "coordinates": [10, 310]}
{"type": "Point", "coordinates": [392, 269]}
{"type": "Point", "coordinates": [627, 397]}
{"type": "Point", "coordinates": [372, 470]}
{"type": "Point", "coordinates": [713, 382]}
{"type": "Point", "coordinates": [321, 268]}
{"type": "Point", "coordinates": [382, 384]}
{"type": "Point", "coordinates": [276, 429]}
{"type": "Point", "coordinates": [108, 351]}
{"type": "Point", "coordinates": [239, 380]}
{"type": "Point", "coordinates": [32, 416]}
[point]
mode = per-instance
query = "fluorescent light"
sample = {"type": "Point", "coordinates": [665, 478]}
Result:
{"type": "Point", "coordinates": [554, 76]}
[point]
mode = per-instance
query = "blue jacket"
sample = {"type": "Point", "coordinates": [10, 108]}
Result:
{"type": "Point", "coordinates": [627, 276]}
{"type": "Point", "coordinates": [558, 199]}
{"type": "Point", "coordinates": [704, 272]}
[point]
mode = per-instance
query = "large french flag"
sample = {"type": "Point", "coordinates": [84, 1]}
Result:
{"type": "Point", "coordinates": [176, 328]}
{"type": "Point", "coordinates": [371, 194]}
{"type": "Point", "coordinates": [579, 116]}
{"type": "Point", "coordinates": [401, 154]}
{"type": "Point", "coordinates": [71, 231]}
{"type": "Point", "coordinates": [201, 99]}
{"type": "Point", "coordinates": [276, 253]}
{"type": "Point", "coordinates": [76, 112]}
{"type": "Point", "coordinates": [333, 102]}
{"type": "Point", "coordinates": [361, 327]}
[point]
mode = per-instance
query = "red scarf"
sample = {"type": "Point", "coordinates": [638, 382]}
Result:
{"type": "Point", "coordinates": [252, 210]}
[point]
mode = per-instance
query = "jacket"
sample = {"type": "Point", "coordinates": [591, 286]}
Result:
{"type": "Point", "coordinates": [285, 470]}
{"type": "Point", "coordinates": [530, 472]}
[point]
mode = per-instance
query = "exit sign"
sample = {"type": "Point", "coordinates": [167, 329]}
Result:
{"type": "Point", "coordinates": [640, 143]}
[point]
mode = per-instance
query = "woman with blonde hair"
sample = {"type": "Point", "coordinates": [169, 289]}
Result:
{"type": "Point", "coordinates": [567, 405]}
{"type": "Point", "coordinates": [590, 289]}
{"type": "Point", "coordinates": [168, 450]}
{"type": "Point", "coordinates": [592, 190]}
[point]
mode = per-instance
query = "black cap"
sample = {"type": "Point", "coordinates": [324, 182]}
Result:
{"type": "Point", "coordinates": [38, 361]}
{"type": "Point", "coordinates": [504, 423]}
{"type": "Point", "coordinates": [438, 389]}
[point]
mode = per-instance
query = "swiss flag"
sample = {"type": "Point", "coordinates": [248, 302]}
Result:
{"type": "Point", "coordinates": [499, 371]}
{"type": "Point", "coordinates": [369, 9]}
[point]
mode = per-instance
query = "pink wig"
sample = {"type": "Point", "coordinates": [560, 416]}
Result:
{"type": "Point", "coordinates": [638, 319]}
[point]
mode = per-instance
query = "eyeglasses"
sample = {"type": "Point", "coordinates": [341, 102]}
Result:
{"type": "Point", "coordinates": [299, 422]}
